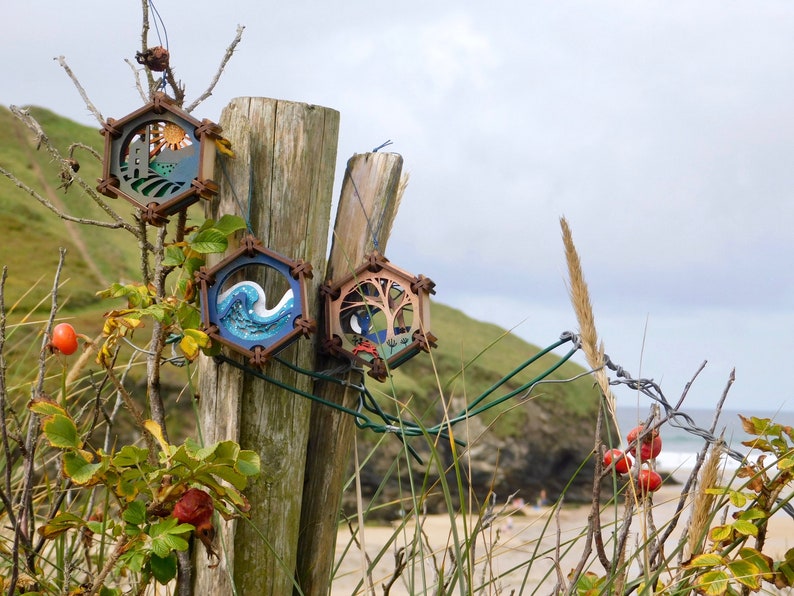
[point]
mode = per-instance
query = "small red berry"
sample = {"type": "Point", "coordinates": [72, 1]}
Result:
{"type": "Point", "coordinates": [64, 339]}
{"type": "Point", "coordinates": [195, 507]}
{"type": "Point", "coordinates": [650, 446]}
{"type": "Point", "coordinates": [622, 460]}
{"type": "Point", "coordinates": [648, 481]}
{"type": "Point", "coordinates": [650, 450]}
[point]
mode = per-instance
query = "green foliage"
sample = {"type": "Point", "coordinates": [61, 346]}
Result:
{"type": "Point", "coordinates": [178, 313]}
{"type": "Point", "coordinates": [144, 486]}
{"type": "Point", "coordinates": [132, 538]}
{"type": "Point", "coordinates": [735, 561]}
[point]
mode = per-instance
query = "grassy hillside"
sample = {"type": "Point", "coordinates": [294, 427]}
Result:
{"type": "Point", "coordinates": [32, 234]}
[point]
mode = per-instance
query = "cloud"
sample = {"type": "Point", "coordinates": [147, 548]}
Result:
{"type": "Point", "coordinates": [661, 130]}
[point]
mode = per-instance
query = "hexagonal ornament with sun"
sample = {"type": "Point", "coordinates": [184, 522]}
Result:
{"type": "Point", "coordinates": [159, 158]}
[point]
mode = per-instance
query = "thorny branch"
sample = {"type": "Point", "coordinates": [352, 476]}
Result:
{"type": "Point", "coordinates": [121, 543]}
{"type": "Point", "coordinates": [91, 107]}
{"type": "Point", "coordinates": [135, 410]}
{"type": "Point", "coordinates": [145, 41]}
{"type": "Point", "coordinates": [136, 72]}
{"type": "Point", "coordinates": [65, 216]}
{"type": "Point", "coordinates": [6, 493]}
{"type": "Point", "coordinates": [43, 140]}
{"type": "Point", "coordinates": [158, 339]}
{"type": "Point", "coordinates": [24, 528]}
{"type": "Point", "coordinates": [226, 57]}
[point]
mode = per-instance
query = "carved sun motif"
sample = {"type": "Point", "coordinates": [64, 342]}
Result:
{"type": "Point", "coordinates": [167, 135]}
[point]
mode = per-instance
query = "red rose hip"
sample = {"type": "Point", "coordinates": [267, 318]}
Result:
{"type": "Point", "coordinates": [622, 460]}
{"type": "Point", "coordinates": [64, 339]}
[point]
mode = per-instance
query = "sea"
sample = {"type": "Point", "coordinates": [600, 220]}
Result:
{"type": "Point", "coordinates": [680, 447]}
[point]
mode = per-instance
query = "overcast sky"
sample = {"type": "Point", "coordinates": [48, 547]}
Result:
{"type": "Point", "coordinates": [663, 132]}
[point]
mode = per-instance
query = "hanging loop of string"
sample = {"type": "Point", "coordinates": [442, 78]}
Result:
{"type": "Point", "coordinates": [161, 39]}
{"type": "Point", "coordinates": [245, 212]}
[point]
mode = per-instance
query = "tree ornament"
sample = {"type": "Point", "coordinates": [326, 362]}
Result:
{"type": "Point", "coordinates": [378, 316]}
{"type": "Point", "coordinates": [254, 301]}
{"type": "Point", "coordinates": [159, 158]}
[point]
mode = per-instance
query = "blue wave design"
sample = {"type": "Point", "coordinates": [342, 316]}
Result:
{"type": "Point", "coordinates": [242, 312]}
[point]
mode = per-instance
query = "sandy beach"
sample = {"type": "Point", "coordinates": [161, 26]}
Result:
{"type": "Point", "coordinates": [502, 551]}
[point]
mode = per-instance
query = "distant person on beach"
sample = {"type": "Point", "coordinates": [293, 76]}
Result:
{"type": "Point", "coordinates": [542, 500]}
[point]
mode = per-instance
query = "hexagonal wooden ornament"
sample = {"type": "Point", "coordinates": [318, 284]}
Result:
{"type": "Point", "coordinates": [159, 158]}
{"type": "Point", "coordinates": [378, 316]}
{"type": "Point", "coordinates": [254, 301]}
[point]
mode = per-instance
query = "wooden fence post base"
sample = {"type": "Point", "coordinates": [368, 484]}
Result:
{"type": "Point", "coordinates": [282, 181]}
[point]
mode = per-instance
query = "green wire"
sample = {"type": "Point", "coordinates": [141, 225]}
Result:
{"type": "Point", "coordinates": [396, 425]}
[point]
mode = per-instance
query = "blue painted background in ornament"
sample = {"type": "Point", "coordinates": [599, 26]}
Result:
{"type": "Point", "coordinates": [242, 310]}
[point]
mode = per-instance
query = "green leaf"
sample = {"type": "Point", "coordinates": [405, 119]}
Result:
{"type": "Point", "coordinates": [759, 559]}
{"type": "Point", "coordinates": [720, 533]}
{"type": "Point", "coordinates": [59, 524]}
{"type": "Point", "coordinates": [97, 527]}
{"type": "Point", "coordinates": [167, 536]}
{"type": "Point", "coordinates": [79, 469]}
{"type": "Point", "coordinates": [214, 349]}
{"type": "Point", "coordinates": [163, 568]}
{"type": "Point", "coordinates": [753, 513]}
{"type": "Point", "coordinates": [133, 560]}
{"type": "Point", "coordinates": [228, 224]}
{"type": "Point", "coordinates": [61, 431]}
{"type": "Point", "coordinates": [171, 525]}
{"type": "Point", "coordinates": [248, 463]}
{"type": "Point", "coordinates": [784, 574]}
{"type": "Point", "coordinates": [737, 499]}
{"type": "Point", "coordinates": [174, 256]}
{"type": "Point", "coordinates": [198, 452]}
{"type": "Point", "coordinates": [135, 513]}
{"type": "Point", "coordinates": [45, 407]}
{"type": "Point", "coordinates": [193, 264]}
{"type": "Point", "coordinates": [129, 456]}
{"type": "Point", "coordinates": [706, 560]}
{"type": "Point", "coordinates": [157, 312]}
{"type": "Point", "coordinates": [209, 241]}
{"type": "Point", "coordinates": [227, 451]}
{"type": "Point", "coordinates": [746, 573]}
{"type": "Point", "coordinates": [785, 463]}
{"type": "Point", "coordinates": [189, 316]}
{"type": "Point", "coordinates": [182, 456]}
{"type": "Point", "coordinates": [745, 528]}
{"type": "Point", "coordinates": [712, 583]}
{"type": "Point", "coordinates": [227, 473]}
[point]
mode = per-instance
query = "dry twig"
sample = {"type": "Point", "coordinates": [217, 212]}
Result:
{"type": "Point", "coordinates": [91, 107]}
{"type": "Point", "coordinates": [224, 61]}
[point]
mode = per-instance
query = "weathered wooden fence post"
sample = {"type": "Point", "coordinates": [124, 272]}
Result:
{"type": "Point", "coordinates": [367, 207]}
{"type": "Point", "coordinates": [282, 181]}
